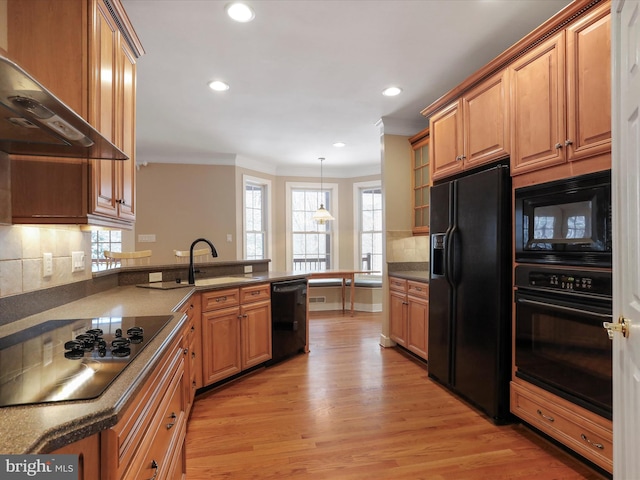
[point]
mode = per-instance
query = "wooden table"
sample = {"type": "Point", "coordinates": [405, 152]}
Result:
{"type": "Point", "coordinates": [344, 275]}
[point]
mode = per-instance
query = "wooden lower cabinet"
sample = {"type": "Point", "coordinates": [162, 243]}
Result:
{"type": "Point", "coordinates": [583, 431]}
{"type": "Point", "coordinates": [148, 441]}
{"type": "Point", "coordinates": [398, 310]}
{"type": "Point", "coordinates": [236, 330]}
{"type": "Point", "coordinates": [417, 317]}
{"type": "Point", "coordinates": [409, 314]}
{"type": "Point", "coordinates": [193, 343]}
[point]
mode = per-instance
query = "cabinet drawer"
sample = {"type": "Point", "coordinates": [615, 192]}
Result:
{"type": "Point", "coordinates": [220, 299]}
{"type": "Point", "coordinates": [418, 289]}
{"type": "Point", "coordinates": [397, 284]}
{"type": "Point", "coordinates": [255, 293]}
{"type": "Point", "coordinates": [569, 424]}
{"type": "Point", "coordinates": [165, 433]}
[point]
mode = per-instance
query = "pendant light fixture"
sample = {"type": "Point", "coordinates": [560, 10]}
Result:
{"type": "Point", "coordinates": [322, 216]}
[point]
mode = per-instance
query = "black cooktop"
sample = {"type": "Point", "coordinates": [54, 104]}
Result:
{"type": "Point", "coordinates": [76, 359]}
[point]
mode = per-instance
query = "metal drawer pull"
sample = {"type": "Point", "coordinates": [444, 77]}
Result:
{"type": "Point", "coordinates": [257, 292]}
{"type": "Point", "coordinates": [551, 419]}
{"type": "Point", "coordinates": [154, 465]}
{"type": "Point", "coordinates": [593, 444]}
{"type": "Point", "coordinates": [173, 417]}
{"type": "Point", "coordinates": [221, 299]}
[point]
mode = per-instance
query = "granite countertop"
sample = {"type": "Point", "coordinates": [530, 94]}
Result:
{"type": "Point", "coordinates": [43, 428]}
{"type": "Point", "coordinates": [416, 275]}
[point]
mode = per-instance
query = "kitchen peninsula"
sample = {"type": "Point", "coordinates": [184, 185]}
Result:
{"type": "Point", "coordinates": [166, 359]}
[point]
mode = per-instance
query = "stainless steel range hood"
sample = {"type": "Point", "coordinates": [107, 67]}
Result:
{"type": "Point", "coordinates": [34, 122]}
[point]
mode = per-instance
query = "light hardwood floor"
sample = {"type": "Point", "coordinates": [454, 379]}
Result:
{"type": "Point", "coordinates": [351, 409]}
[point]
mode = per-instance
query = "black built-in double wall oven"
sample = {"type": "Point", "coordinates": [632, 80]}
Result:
{"type": "Point", "coordinates": [563, 289]}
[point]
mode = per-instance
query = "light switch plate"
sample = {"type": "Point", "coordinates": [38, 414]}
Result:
{"type": "Point", "coordinates": [47, 264]}
{"type": "Point", "coordinates": [147, 238]}
{"type": "Point", "coordinates": [77, 261]}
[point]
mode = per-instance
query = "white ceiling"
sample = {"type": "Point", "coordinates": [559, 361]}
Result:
{"type": "Point", "coordinates": [307, 73]}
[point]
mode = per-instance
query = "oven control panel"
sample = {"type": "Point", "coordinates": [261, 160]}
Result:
{"type": "Point", "coordinates": [598, 283]}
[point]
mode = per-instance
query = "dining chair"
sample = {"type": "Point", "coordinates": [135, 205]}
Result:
{"type": "Point", "coordinates": [126, 259]}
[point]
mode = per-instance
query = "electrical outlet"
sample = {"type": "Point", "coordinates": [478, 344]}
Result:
{"type": "Point", "coordinates": [155, 277]}
{"type": "Point", "coordinates": [229, 238]}
{"type": "Point", "coordinates": [248, 268]}
{"type": "Point", "coordinates": [77, 262]}
{"type": "Point", "coordinates": [47, 264]}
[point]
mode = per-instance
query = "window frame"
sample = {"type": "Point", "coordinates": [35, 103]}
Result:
{"type": "Point", "coordinates": [100, 264]}
{"type": "Point", "coordinates": [334, 239]}
{"type": "Point", "coordinates": [358, 188]}
{"type": "Point", "coordinates": [266, 215]}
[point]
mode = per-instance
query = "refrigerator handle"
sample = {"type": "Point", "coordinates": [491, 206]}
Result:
{"type": "Point", "coordinates": [449, 265]}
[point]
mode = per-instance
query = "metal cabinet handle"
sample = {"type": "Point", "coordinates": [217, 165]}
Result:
{"type": "Point", "coordinates": [558, 146]}
{"type": "Point", "coordinates": [173, 416]}
{"type": "Point", "coordinates": [462, 157]}
{"type": "Point", "coordinates": [593, 444]}
{"type": "Point", "coordinates": [257, 292]}
{"type": "Point", "coordinates": [568, 142]}
{"type": "Point", "coordinates": [193, 354]}
{"type": "Point", "coordinates": [185, 351]}
{"type": "Point", "coordinates": [550, 419]}
{"type": "Point", "coordinates": [155, 466]}
{"type": "Point", "coordinates": [221, 299]}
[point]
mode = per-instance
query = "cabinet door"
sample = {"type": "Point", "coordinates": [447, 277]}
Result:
{"type": "Point", "coordinates": [485, 113]}
{"type": "Point", "coordinates": [421, 169]}
{"type": "Point", "coordinates": [417, 326]}
{"type": "Point", "coordinates": [537, 107]}
{"type": "Point", "coordinates": [221, 335]}
{"type": "Point", "coordinates": [589, 85]}
{"type": "Point", "coordinates": [126, 124]}
{"type": "Point", "coordinates": [101, 113]}
{"type": "Point", "coordinates": [256, 333]}
{"type": "Point", "coordinates": [446, 143]}
{"type": "Point", "coordinates": [398, 317]}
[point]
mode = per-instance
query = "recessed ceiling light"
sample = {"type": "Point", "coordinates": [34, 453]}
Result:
{"type": "Point", "coordinates": [240, 12]}
{"type": "Point", "coordinates": [391, 91]}
{"type": "Point", "coordinates": [218, 86]}
{"type": "Point", "coordinates": [339, 144]}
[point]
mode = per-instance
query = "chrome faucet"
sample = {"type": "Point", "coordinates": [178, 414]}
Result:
{"type": "Point", "coordinates": [192, 272]}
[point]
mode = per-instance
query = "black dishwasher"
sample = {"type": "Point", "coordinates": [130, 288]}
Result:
{"type": "Point", "coordinates": [289, 318]}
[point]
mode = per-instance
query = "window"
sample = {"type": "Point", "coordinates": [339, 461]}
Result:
{"type": "Point", "coordinates": [311, 246]}
{"type": "Point", "coordinates": [370, 227]}
{"type": "Point", "coordinates": [256, 218]}
{"type": "Point", "coordinates": [104, 241]}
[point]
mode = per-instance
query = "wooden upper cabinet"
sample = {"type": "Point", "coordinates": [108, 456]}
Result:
{"type": "Point", "coordinates": [485, 113]}
{"type": "Point", "coordinates": [421, 181]}
{"type": "Point", "coordinates": [537, 107]}
{"type": "Point", "coordinates": [446, 144]}
{"type": "Point", "coordinates": [561, 96]}
{"type": "Point", "coordinates": [589, 85]}
{"type": "Point", "coordinates": [85, 53]}
{"type": "Point", "coordinates": [113, 113]}
{"type": "Point", "coordinates": [472, 131]}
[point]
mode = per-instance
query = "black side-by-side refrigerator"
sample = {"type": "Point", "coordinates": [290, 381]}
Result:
{"type": "Point", "coordinates": [469, 343]}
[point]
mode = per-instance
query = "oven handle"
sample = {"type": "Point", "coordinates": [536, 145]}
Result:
{"type": "Point", "coordinates": [563, 308]}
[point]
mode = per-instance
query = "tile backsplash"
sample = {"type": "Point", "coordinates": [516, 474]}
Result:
{"type": "Point", "coordinates": [403, 246]}
{"type": "Point", "coordinates": [21, 257]}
